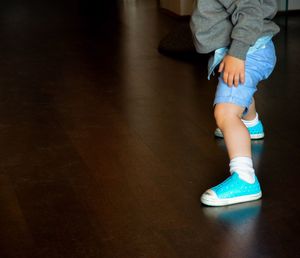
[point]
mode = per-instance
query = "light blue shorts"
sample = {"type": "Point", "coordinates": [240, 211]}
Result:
{"type": "Point", "coordinates": [259, 64]}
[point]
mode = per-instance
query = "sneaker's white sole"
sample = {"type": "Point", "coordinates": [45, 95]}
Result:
{"type": "Point", "coordinates": [212, 201]}
{"type": "Point", "coordinates": [258, 136]}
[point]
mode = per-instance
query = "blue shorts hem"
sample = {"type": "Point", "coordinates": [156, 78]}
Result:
{"type": "Point", "coordinates": [233, 100]}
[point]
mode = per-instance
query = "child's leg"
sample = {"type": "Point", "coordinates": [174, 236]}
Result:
{"type": "Point", "coordinates": [237, 140]}
{"type": "Point", "coordinates": [236, 135]}
{"type": "Point", "coordinates": [242, 185]}
{"type": "Point", "coordinates": [251, 112]}
{"type": "Point", "coordinates": [252, 122]}
{"type": "Point", "coordinates": [229, 104]}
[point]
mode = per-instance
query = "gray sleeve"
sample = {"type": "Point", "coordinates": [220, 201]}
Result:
{"type": "Point", "coordinates": [247, 19]}
{"type": "Point", "coordinates": [209, 22]}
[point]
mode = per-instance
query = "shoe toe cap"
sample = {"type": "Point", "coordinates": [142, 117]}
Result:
{"type": "Point", "coordinates": [209, 194]}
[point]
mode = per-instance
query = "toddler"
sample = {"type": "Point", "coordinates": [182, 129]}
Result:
{"type": "Point", "coordinates": [239, 35]}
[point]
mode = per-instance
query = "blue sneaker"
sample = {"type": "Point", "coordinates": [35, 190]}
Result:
{"type": "Point", "coordinates": [232, 190]}
{"type": "Point", "coordinates": [256, 132]}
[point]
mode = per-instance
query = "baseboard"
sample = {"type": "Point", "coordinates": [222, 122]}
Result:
{"type": "Point", "coordinates": [174, 15]}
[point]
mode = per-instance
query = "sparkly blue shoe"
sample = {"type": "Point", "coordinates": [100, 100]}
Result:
{"type": "Point", "coordinates": [256, 132]}
{"type": "Point", "coordinates": [232, 190]}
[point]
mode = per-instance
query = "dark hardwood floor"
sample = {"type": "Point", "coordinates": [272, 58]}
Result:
{"type": "Point", "coordinates": [107, 145]}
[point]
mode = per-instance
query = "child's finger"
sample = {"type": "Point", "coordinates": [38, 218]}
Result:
{"type": "Point", "coordinates": [230, 80]}
{"type": "Point", "coordinates": [225, 77]}
{"type": "Point", "coordinates": [242, 78]}
{"type": "Point", "coordinates": [236, 80]}
{"type": "Point", "coordinates": [221, 67]}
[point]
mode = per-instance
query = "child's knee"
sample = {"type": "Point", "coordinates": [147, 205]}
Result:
{"type": "Point", "coordinates": [227, 111]}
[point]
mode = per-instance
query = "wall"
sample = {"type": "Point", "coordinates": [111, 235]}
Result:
{"type": "Point", "coordinates": [293, 4]}
{"type": "Point", "coordinates": [184, 7]}
{"type": "Point", "coordinates": [180, 7]}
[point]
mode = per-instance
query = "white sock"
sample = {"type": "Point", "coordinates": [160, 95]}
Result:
{"type": "Point", "coordinates": [250, 123]}
{"type": "Point", "coordinates": [244, 167]}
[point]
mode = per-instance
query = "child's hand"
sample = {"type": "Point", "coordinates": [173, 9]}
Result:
{"type": "Point", "coordinates": [233, 70]}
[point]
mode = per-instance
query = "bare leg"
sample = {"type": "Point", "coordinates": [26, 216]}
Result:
{"type": "Point", "coordinates": [237, 140]}
{"type": "Point", "coordinates": [251, 112]}
{"type": "Point", "coordinates": [236, 136]}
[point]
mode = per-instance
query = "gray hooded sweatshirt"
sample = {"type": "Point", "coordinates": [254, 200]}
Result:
{"type": "Point", "coordinates": [235, 24]}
